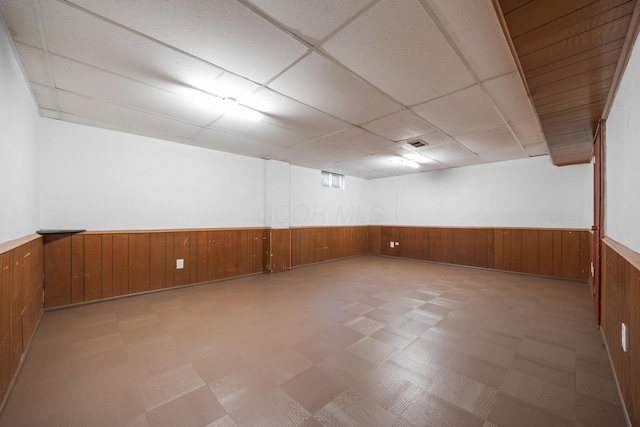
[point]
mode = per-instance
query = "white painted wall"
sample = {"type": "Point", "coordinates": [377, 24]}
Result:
{"type": "Point", "coordinates": [99, 179]}
{"type": "Point", "coordinates": [277, 194]}
{"type": "Point", "coordinates": [313, 204]}
{"type": "Point", "coordinates": [19, 208]}
{"type": "Point", "coordinates": [519, 193]}
{"type": "Point", "coordinates": [622, 157]}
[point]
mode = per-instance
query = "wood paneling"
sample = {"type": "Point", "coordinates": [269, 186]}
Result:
{"type": "Point", "coordinates": [280, 250]}
{"type": "Point", "coordinates": [559, 253]}
{"type": "Point", "coordinates": [571, 54]}
{"type": "Point", "coordinates": [95, 265]}
{"type": "Point", "coordinates": [310, 245]}
{"type": "Point", "coordinates": [620, 303]}
{"type": "Point", "coordinates": [21, 301]}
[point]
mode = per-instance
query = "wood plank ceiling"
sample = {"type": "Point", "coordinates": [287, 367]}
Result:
{"type": "Point", "coordinates": [571, 53]}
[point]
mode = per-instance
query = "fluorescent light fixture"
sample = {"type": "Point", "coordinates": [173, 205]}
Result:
{"type": "Point", "coordinates": [406, 162]}
{"type": "Point", "coordinates": [234, 109]}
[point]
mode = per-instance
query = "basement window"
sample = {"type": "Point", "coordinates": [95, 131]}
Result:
{"type": "Point", "coordinates": [330, 179]}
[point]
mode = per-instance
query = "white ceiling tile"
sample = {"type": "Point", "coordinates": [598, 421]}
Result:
{"type": "Point", "coordinates": [286, 112]}
{"type": "Point", "coordinates": [399, 126]}
{"type": "Point", "coordinates": [260, 131]}
{"type": "Point", "coordinates": [464, 111]}
{"type": "Point", "coordinates": [111, 88]}
{"type": "Point", "coordinates": [329, 149]}
{"type": "Point", "coordinates": [361, 140]}
{"type": "Point", "coordinates": [117, 127]}
{"type": "Point", "coordinates": [502, 154]}
{"type": "Point", "coordinates": [510, 96]}
{"type": "Point", "coordinates": [20, 17]}
{"type": "Point", "coordinates": [418, 63]}
{"type": "Point", "coordinates": [34, 64]}
{"type": "Point", "coordinates": [107, 46]}
{"type": "Point", "coordinates": [152, 125]}
{"type": "Point", "coordinates": [222, 141]}
{"type": "Point", "coordinates": [476, 31]}
{"type": "Point", "coordinates": [229, 85]}
{"type": "Point", "coordinates": [327, 87]}
{"type": "Point", "coordinates": [50, 114]}
{"type": "Point", "coordinates": [311, 20]}
{"type": "Point", "coordinates": [538, 149]}
{"type": "Point", "coordinates": [451, 154]}
{"type": "Point", "coordinates": [302, 158]}
{"type": "Point", "coordinates": [222, 32]}
{"type": "Point", "coordinates": [44, 96]}
{"type": "Point", "coordinates": [435, 139]}
{"type": "Point", "coordinates": [528, 132]}
{"type": "Point", "coordinates": [489, 139]}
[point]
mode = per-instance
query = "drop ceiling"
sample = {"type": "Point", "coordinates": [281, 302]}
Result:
{"type": "Point", "coordinates": [341, 85]}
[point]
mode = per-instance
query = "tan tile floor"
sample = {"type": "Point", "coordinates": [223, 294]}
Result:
{"type": "Point", "coordinates": [367, 341]}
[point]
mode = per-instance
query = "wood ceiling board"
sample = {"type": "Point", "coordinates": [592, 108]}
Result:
{"type": "Point", "coordinates": [580, 93]}
{"type": "Point", "coordinates": [511, 5]}
{"type": "Point", "coordinates": [593, 63]}
{"type": "Point", "coordinates": [585, 41]}
{"type": "Point", "coordinates": [577, 58]}
{"type": "Point", "coordinates": [535, 14]}
{"type": "Point", "coordinates": [591, 80]}
{"type": "Point", "coordinates": [589, 112]}
{"type": "Point", "coordinates": [574, 98]}
{"type": "Point", "coordinates": [595, 15]}
{"type": "Point", "coordinates": [419, 63]}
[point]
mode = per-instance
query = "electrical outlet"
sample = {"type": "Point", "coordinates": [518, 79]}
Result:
{"type": "Point", "coordinates": [391, 245]}
{"type": "Point", "coordinates": [625, 338]}
{"type": "Point", "coordinates": [179, 264]}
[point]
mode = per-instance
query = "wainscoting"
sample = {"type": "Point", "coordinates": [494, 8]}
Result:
{"type": "Point", "coordinates": [547, 252]}
{"type": "Point", "coordinates": [310, 245]}
{"type": "Point", "coordinates": [91, 266]}
{"type": "Point", "coordinates": [21, 287]}
{"type": "Point", "coordinates": [620, 303]}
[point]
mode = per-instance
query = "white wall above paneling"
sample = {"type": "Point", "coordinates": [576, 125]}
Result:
{"type": "Point", "coordinates": [518, 193]}
{"type": "Point", "coordinates": [622, 175]}
{"type": "Point", "coordinates": [103, 180]}
{"type": "Point", "coordinates": [19, 169]}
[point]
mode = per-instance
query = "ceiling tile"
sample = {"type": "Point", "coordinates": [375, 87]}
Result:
{"type": "Point", "coordinates": [286, 112]}
{"type": "Point", "coordinates": [361, 140]}
{"type": "Point", "coordinates": [399, 126]}
{"type": "Point", "coordinates": [222, 141]}
{"type": "Point", "coordinates": [327, 87]}
{"type": "Point", "coordinates": [222, 32]}
{"type": "Point", "coordinates": [98, 84]}
{"type": "Point", "coordinates": [302, 158]}
{"type": "Point", "coordinates": [44, 96]}
{"type": "Point", "coordinates": [146, 123]}
{"type": "Point", "coordinates": [528, 132]}
{"type": "Point", "coordinates": [435, 139]}
{"type": "Point", "coordinates": [34, 64]}
{"type": "Point", "coordinates": [117, 127]}
{"type": "Point", "coordinates": [418, 64]}
{"type": "Point", "coordinates": [502, 154]}
{"type": "Point", "coordinates": [125, 53]}
{"type": "Point", "coordinates": [464, 111]}
{"type": "Point", "coordinates": [50, 114]}
{"type": "Point", "coordinates": [452, 155]}
{"type": "Point", "coordinates": [311, 20]}
{"type": "Point", "coordinates": [20, 17]}
{"type": "Point", "coordinates": [329, 149]}
{"type": "Point", "coordinates": [490, 139]}
{"type": "Point", "coordinates": [510, 96]}
{"type": "Point", "coordinates": [260, 131]}
{"type": "Point", "coordinates": [229, 85]}
{"type": "Point", "coordinates": [539, 149]}
{"type": "Point", "coordinates": [476, 31]}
